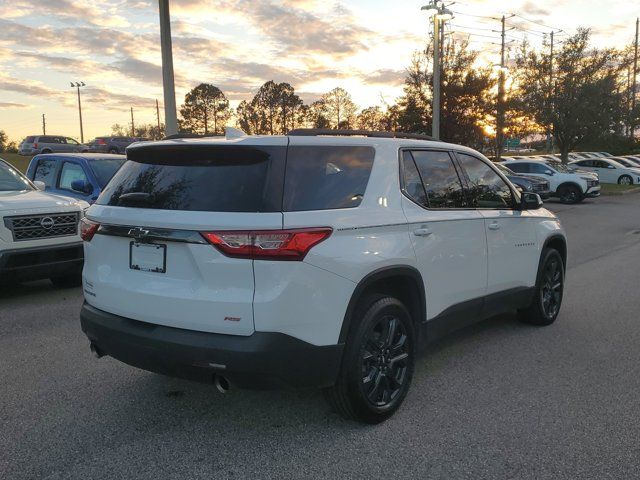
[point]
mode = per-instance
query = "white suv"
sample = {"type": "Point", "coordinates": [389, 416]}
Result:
{"type": "Point", "coordinates": [310, 260]}
{"type": "Point", "coordinates": [569, 185]}
{"type": "Point", "coordinates": [39, 235]}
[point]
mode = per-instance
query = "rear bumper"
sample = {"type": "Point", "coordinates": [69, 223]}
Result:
{"type": "Point", "coordinates": [262, 360]}
{"type": "Point", "coordinates": [41, 262]}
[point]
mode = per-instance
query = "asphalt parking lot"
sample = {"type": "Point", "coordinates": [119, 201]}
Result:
{"type": "Point", "coordinates": [497, 400]}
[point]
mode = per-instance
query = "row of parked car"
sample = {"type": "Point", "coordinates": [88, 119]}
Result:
{"type": "Point", "coordinates": [36, 144]}
{"type": "Point", "coordinates": [572, 182]}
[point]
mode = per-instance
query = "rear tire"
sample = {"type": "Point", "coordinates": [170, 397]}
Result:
{"type": "Point", "coordinates": [625, 180]}
{"type": "Point", "coordinates": [549, 290]}
{"type": "Point", "coordinates": [113, 151]}
{"type": "Point", "coordinates": [570, 194]}
{"type": "Point", "coordinates": [378, 362]}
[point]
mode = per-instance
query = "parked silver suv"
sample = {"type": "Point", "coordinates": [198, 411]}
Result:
{"type": "Point", "coordinates": [36, 144]}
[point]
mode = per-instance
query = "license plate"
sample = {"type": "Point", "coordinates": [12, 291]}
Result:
{"type": "Point", "coordinates": [148, 257]}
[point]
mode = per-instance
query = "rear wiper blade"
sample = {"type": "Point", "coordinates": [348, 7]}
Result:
{"type": "Point", "coordinates": [136, 197]}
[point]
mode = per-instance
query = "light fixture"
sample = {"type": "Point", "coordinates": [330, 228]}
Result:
{"type": "Point", "coordinates": [431, 9]}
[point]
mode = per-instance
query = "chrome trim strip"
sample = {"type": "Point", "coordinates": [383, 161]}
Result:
{"type": "Point", "coordinates": [151, 234]}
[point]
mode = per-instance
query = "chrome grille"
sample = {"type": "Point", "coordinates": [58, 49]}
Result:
{"type": "Point", "coordinates": [541, 187]}
{"type": "Point", "coordinates": [47, 225]}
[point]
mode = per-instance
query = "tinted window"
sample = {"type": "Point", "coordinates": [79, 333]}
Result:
{"type": "Point", "coordinates": [11, 180]}
{"type": "Point", "coordinates": [321, 178]}
{"type": "Point", "coordinates": [486, 189]}
{"type": "Point", "coordinates": [69, 173]}
{"type": "Point", "coordinates": [46, 139]}
{"type": "Point", "coordinates": [538, 168]}
{"type": "Point", "coordinates": [105, 168]}
{"type": "Point", "coordinates": [46, 172]}
{"type": "Point", "coordinates": [70, 141]}
{"type": "Point", "coordinates": [29, 139]}
{"type": "Point", "coordinates": [411, 181]}
{"type": "Point", "coordinates": [200, 178]}
{"type": "Point", "coordinates": [440, 179]}
{"type": "Point", "coordinates": [519, 167]}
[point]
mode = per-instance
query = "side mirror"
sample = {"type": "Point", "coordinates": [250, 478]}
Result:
{"type": "Point", "coordinates": [611, 167]}
{"type": "Point", "coordinates": [530, 201]}
{"type": "Point", "coordinates": [82, 187]}
{"type": "Point", "coordinates": [549, 172]}
{"type": "Point", "coordinates": [40, 185]}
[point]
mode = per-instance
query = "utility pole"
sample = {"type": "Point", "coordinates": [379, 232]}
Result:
{"type": "Point", "coordinates": [133, 127]}
{"type": "Point", "coordinates": [44, 125]}
{"type": "Point", "coordinates": [158, 115]}
{"type": "Point", "coordinates": [170, 115]}
{"type": "Point", "coordinates": [635, 82]}
{"type": "Point", "coordinates": [550, 96]}
{"type": "Point", "coordinates": [435, 125]}
{"type": "Point", "coordinates": [77, 85]}
{"type": "Point", "coordinates": [500, 103]}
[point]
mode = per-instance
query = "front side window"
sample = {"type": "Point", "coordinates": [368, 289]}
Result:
{"type": "Point", "coordinates": [71, 141]}
{"type": "Point", "coordinates": [486, 189]}
{"type": "Point", "coordinates": [440, 179]}
{"type": "Point", "coordinates": [70, 173]}
{"type": "Point", "coordinates": [46, 172]}
{"type": "Point", "coordinates": [324, 178]}
{"type": "Point", "coordinates": [11, 180]}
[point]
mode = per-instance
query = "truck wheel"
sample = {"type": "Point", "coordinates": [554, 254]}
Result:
{"type": "Point", "coordinates": [625, 180]}
{"type": "Point", "coordinates": [549, 290]}
{"type": "Point", "coordinates": [378, 362]}
{"type": "Point", "coordinates": [570, 194]}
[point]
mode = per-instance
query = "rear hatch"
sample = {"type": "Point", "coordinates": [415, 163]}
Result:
{"type": "Point", "coordinates": [147, 258]}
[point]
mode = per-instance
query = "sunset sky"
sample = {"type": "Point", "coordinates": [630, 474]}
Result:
{"type": "Point", "coordinates": [361, 45]}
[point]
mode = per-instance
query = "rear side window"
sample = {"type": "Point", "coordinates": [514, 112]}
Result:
{"type": "Point", "coordinates": [440, 179]}
{"type": "Point", "coordinates": [200, 178]}
{"type": "Point", "coordinates": [412, 184]}
{"type": "Point", "coordinates": [29, 139]}
{"type": "Point", "coordinates": [323, 177]}
{"type": "Point", "coordinates": [46, 172]}
{"type": "Point", "coordinates": [519, 167]}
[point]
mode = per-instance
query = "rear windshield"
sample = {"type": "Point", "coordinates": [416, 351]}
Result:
{"type": "Point", "coordinates": [241, 178]}
{"type": "Point", "coordinates": [105, 168]}
{"type": "Point", "coordinates": [200, 178]}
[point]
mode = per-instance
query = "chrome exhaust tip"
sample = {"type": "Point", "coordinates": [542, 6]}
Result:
{"type": "Point", "coordinates": [221, 383]}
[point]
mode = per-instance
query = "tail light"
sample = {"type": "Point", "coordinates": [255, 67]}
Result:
{"type": "Point", "coordinates": [101, 141]}
{"type": "Point", "coordinates": [268, 244]}
{"type": "Point", "coordinates": [35, 145]}
{"type": "Point", "coordinates": [88, 229]}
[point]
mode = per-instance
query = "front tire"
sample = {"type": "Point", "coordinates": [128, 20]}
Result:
{"type": "Point", "coordinates": [378, 362]}
{"type": "Point", "coordinates": [549, 290]}
{"type": "Point", "coordinates": [570, 194]}
{"type": "Point", "coordinates": [625, 180]}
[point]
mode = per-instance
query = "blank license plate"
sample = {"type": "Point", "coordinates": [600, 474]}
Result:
{"type": "Point", "coordinates": [148, 257]}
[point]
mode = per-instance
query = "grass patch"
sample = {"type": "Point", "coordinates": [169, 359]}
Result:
{"type": "Point", "coordinates": [614, 189]}
{"type": "Point", "coordinates": [18, 161]}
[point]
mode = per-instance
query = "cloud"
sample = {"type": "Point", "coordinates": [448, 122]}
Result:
{"type": "Point", "coordinates": [13, 105]}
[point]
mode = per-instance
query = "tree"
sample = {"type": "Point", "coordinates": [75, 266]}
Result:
{"type": "Point", "coordinates": [371, 118]}
{"type": "Point", "coordinates": [339, 108]}
{"type": "Point", "coordinates": [465, 98]}
{"type": "Point", "coordinates": [317, 115]}
{"type": "Point", "coordinates": [205, 110]}
{"type": "Point", "coordinates": [585, 100]}
{"type": "Point", "coordinates": [275, 109]}
{"type": "Point", "coordinates": [3, 141]}
{"type": "Point", "coordinates": [248, 117]}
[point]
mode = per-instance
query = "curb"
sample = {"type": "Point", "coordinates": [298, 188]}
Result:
{"type": "Point", "coordinates": [625, 192]}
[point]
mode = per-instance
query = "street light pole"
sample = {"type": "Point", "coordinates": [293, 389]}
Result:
{"type": "Point", "coordinates": [435, 127]}
{"type": "Point", "coordinates": [170, 115]}
{"type": "Point", "coordinates": [439, 13]}
{"type": "Point", "coordinates": [77, 86]}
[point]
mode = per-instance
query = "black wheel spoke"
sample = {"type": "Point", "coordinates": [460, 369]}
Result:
{"type": "Point", "coordinates": [398, 358]}
{"type": "Point", "coordinates": [391, 332]}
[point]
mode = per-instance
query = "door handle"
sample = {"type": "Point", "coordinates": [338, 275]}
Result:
{"type": "Point", "coordinates": [494, 226]}
{"type": "Point", "coordinates": [422, 232]}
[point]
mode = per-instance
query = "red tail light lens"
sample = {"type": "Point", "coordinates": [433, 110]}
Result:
{"type": "Point", "coordinates": [101, 141]}
{"type": "Point", "coordinates": [35, 145]}
{"type": "Point", "coordinates": [268, 244]}
{"type": "Point", "coordinates": [88, 229]}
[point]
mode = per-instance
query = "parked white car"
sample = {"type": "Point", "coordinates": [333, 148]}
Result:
{"type": "Point", "coordinates": [39, 235]}
{"type": "Point", "coordinates": [610, 171]}
{"type": "Point", "coordinates": [568, 185]}
{"type": "Point", "coordinates": [310, 260]}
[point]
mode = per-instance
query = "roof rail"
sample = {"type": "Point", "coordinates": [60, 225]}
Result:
{"type": "Point", "coordinates": [316, 132]}
{"type": "Point", "coordinates": [190, 135]}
